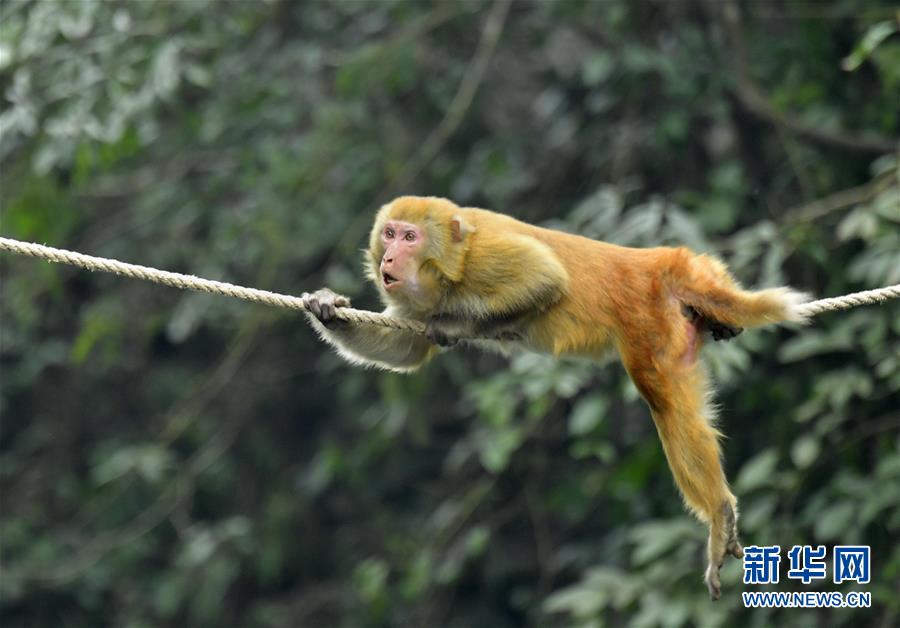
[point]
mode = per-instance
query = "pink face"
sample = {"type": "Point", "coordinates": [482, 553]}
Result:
{"type": "Point", "coordinates": [403, 242]}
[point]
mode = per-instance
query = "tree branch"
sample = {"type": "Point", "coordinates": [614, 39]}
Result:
{"type": "Point", "coordinates": [462, 100]}
{"type": "Point", "coordinates": [754, 100]}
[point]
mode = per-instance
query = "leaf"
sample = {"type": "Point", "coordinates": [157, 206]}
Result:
{"type": "Point", "coordinates": [476, 540]}
{"type": "Point", "coordinates": [165, 69]}
{"type": "Point", "coordinates": [757, 472]}
{"type": "Point", "coordinates": [685, 229]}
{"type": "Point", "coordinates": [812, 343]}
{"type": "Point", "coordinates": [579, 600]}
{"type": "Point", "coordinates": [495, 446]}
{"type": "Point", "coordinates": [833, 522]}
{"type": "Point", "coordinates": [370, 578]}
{"type": "Point", "coordinates": [804, 451]}
{"type": "Point", "coordinates": [597, 68]}
{"type": "Point", "coordinates": [588, 413]}
{"type": "Point", "coordinates": [876, 34]}
{"type": "Point", "coordinates": [652, 540]}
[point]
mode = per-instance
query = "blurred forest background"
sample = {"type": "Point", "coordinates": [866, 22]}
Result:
{"type": "Point", "coordinates": [176, 459]}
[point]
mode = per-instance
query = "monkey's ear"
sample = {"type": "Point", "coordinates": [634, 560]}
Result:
{"type": "Point", "coordinates": [459, 229]}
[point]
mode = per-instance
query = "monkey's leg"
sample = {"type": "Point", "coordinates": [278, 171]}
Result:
{"type": "Point", "coordinates": [708, 288]}
{"type": "Point", "coordinates": [682, 416]}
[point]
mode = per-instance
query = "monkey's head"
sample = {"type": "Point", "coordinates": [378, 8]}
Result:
{"type": "Point", "coordinates": [417, 250]}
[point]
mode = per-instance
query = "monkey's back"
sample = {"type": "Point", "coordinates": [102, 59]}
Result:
{"type": "Point", "coordinates": [611, 287]}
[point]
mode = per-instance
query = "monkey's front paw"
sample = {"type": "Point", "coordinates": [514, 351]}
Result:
{"type": "Point", "coordinates": [439, 335]}
{"type": "Point", "coordinates": [323, 304]}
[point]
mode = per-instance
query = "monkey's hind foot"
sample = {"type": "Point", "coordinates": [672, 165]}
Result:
{"type": "Point", "coordinates": [721, 331]}
{"type": "Point", "coordinates": [440, 332]}
{"type": "Point", "coordinates": [723, 542]}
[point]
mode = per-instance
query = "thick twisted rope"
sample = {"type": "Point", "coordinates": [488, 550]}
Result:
{"type": "Point", "coordinates": [848, 300]}
{"type": "Point", "coordinates": [190, 282]}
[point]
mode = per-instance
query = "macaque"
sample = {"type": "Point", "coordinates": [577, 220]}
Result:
{"type": "Point", "coordinates": [471, 273]}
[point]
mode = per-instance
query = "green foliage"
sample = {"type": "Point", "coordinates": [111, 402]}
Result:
{"type": "Point", "coordinates": [173, 459]}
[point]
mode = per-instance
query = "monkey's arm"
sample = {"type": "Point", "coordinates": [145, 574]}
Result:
{"type": "Point", "coordinates": [507, 279]}
{"type": "Point", "coordinates": [367, 345]}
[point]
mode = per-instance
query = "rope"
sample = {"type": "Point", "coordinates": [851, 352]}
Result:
{"type": "Point", "coordinates": [190, 282]}
{"type": "Point", "coordinates": [848, 300]}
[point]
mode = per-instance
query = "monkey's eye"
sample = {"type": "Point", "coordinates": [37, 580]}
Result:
{"type": "Point", "coordinates": [389, 233]}
{"type": "Point", "coordinates": [410, 236]}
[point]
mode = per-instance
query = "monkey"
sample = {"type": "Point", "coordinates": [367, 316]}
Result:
{"type": "Point", "coordinates": [473, 273]}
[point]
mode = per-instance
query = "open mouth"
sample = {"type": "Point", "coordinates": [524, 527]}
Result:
{"type": "Point", "coordinates": [388, 279]}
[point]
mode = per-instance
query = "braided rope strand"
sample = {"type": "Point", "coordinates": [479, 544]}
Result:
{"type": "Point", "coordinates": [849, 300]}
{"type": "Point", "coordinates": [191, 282]}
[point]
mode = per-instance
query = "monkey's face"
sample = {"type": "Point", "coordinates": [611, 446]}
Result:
{"type": "Point", "coordinates": [404, 244]}
{"type": "Point", "coordinates": [417, 247]}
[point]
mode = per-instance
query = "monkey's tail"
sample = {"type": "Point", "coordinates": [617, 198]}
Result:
{"type": "Point", "coordinates": [712, 292]}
